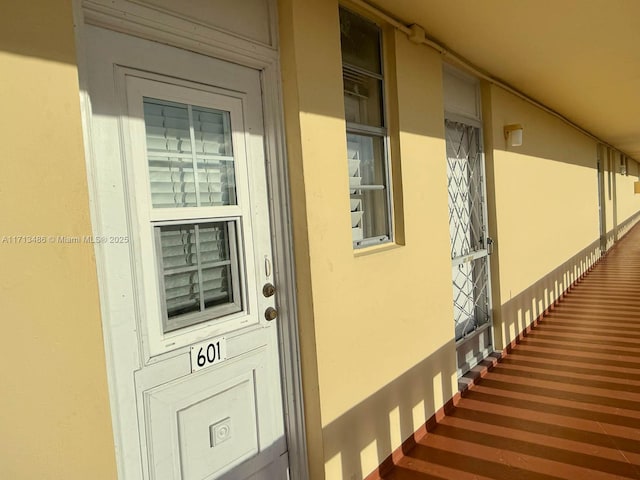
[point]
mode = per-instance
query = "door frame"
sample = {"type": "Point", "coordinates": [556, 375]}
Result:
{"type": "Point", "coordinates": [470, 114]}
{"type": "Point", "coordinates": [474, 123]}
{"type": "Point", "coordinates": [227, 47]}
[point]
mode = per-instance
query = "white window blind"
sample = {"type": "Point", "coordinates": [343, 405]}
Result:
{"type": "Point", "coordinates": [190, 155]}
{"type": "Point", "coordinates": [199, 271]}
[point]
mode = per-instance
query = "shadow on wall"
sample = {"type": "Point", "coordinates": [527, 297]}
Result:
{"type": "Point", "coordinates": [360, 439]}
{"type": "Point", "coordinates": [518, 313]}
{"type": "Point", "coordinates": [40, 22]}
{"type": "Point", "coordinates": [625, 226]}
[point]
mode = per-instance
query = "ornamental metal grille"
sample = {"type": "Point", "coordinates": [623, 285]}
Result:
{"type": "Point", "coordinates": [467, 230]}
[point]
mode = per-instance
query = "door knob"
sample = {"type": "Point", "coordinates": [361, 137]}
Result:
{"type": "Point", "coordinates": [268, 290]}
{"type": "Point", "coordinates": [270, 314]}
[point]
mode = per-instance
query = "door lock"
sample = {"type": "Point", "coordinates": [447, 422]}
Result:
{"type": "Point", "coordinates": [268, 290]}
{"type": "Point", "coordinates": [270, 314]}
{"type": "Point", "coordinates": [489, 245]}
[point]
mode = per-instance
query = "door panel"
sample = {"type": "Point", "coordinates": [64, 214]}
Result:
{"type": "Point", "coordinates": [203, 426]}
{"type": "Point", "coordinates": [179, 170]}
{"type": "Point", "coordinates": [469, 243]}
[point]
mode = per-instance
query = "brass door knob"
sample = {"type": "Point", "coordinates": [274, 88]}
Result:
{"type": "Point", "coordinates": [270, 314]}
{"type": "Point", "coordinates": [268, 290]}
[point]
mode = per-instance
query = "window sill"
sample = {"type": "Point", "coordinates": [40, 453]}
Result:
{"type": "Point", "coordinates": [373, 249]}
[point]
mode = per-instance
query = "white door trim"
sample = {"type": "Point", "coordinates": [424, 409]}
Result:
{"type": "Point", "coordinates": [266, 60]}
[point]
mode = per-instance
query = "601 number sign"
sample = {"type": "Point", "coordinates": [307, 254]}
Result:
{"type": "Point", "coordinates": [208, 353]}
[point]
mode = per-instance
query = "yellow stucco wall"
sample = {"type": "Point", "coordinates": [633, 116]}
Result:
{"type": "Point", "coordinates": [381, 317]}
{"type": "Point", "coordinates": [543, 202]}
{"type": "Point", "coordinates": [55, 421]}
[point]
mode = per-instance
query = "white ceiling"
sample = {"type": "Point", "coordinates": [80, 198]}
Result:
{"type": "Point", "coordinates": [579, 57]}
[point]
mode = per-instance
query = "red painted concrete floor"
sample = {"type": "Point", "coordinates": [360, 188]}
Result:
{"type": "Point", "coordinates": [564, 404]}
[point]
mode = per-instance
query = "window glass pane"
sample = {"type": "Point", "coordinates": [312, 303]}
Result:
{"type": "Point", "coordinates": [181, 290]}
{"type": "Point", "coordinates": [215, 282]}
{"type": "Point", "coordinates": [180, 263]}
{"type": "Point", "coordinates": [362, 98]}
{"type": "Point", "coordinates": [216, 181]}
{"type": "Point", "coordinates": [172, 181]}
{"type": "Point", "coordinates": [211, 131]}
{"type": "Point", "coordinates": [200, 265]}
{"type": "Point", "coordinates": [167, 127]}
{"type": "Point", "coordinates": [214, 242]}
{"type": "Point", "coordinates": [216, 178]}
{"type": "Point", "coordinates": [169, 154]}
{"type": "Point", "coordinates": [190, 155]}
{"type": "Point", "coordinates": [360, 40]}
{"type": "Point", "coordinates": [368, 187]}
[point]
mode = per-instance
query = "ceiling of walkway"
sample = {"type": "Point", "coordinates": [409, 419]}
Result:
{"type": "Point", "coordinates": [579, 57]}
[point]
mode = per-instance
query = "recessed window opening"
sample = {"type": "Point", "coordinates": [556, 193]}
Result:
{"type": "Point", "coordinates": [367, 136]}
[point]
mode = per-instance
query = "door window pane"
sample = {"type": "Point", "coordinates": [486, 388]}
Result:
{"type": "Point", "coordinates": [172, 181]}
{"type": "Point", "coordinates": [190, 155]}
{"type": "Point", "coordinates": [200, 272]}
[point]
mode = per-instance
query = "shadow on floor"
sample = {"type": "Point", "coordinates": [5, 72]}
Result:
{"type": "Point", "coordinates": [564, 404]}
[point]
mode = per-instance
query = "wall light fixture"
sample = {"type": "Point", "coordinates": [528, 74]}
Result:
{"type": "Point", "coordinates": [513, 134]}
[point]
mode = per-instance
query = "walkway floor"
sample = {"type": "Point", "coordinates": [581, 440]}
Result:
{"type": "Point", "coordinates": [564, 404]}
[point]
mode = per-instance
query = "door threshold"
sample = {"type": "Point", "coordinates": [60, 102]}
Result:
{"type": "Point", "coordinates": [473, 348]}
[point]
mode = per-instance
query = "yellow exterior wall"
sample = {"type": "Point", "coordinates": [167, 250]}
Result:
{"type": "Point", "coordinates": [543, 202]}
{"type": "Point", "coordinates": [55, 413]}
{"type": "Point", "coordinates": [381, 318]}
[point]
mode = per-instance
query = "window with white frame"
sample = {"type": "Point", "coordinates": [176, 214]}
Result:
{"type": "Point", "coordinates": [367, 142]}
{"type": "Point", "coordinates": [191, 166]}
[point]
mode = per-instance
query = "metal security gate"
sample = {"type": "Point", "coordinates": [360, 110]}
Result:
{"type": "Point", "coordinates": [470, 245]}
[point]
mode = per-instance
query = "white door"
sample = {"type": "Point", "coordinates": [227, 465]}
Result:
{"type": "Point", "coordinates": [185, 258]}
